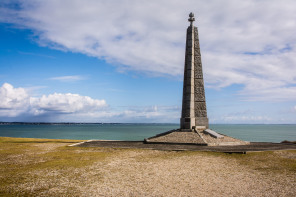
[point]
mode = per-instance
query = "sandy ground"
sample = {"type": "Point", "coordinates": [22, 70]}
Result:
{"type": "Point", "coordinates": [134, 173]}
{"type": "Point", "coordinates": [131, 172]}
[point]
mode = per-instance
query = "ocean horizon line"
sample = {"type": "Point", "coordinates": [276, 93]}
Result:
{"type": "Point", "coordinates": [69, 123]}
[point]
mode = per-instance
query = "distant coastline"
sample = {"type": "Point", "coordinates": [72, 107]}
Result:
{"type": "Point", "coordinates": [140, 131]}
{"type": "Point", "coordinates": [121, 123]}
{"type": "Point", "coordinates": [75, 123]}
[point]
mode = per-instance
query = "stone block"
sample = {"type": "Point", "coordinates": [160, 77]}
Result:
{"type": "Point", "coordinates": [213, 133]}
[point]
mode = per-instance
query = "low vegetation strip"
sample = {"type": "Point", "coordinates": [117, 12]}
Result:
{"type": "Point", "coordinates": [43, 167]}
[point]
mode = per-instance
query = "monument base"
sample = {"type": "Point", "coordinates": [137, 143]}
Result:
{"type": "Point", "coordinates": [187, 123]}
{"type": "Point", "coordinates": [190, 123]}
{"type": "Point", "coordinates": [202, 121]}
{"type": "Point", "coordinates": [197, 136]}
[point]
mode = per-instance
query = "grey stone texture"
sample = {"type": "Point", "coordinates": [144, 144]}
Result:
{"type": "Point", "coordinates": [198, 137]}
{"type": "Point", "coordinates": [194, 120]}
{"type": "Point", "coordinates": [179, 137]}
{"type": "Point", "coordinates": [213, 133]}
{"type": "Point", "coordinates": [194, 110]}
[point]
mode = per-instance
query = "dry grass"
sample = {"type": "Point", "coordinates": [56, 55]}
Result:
{"type": "Point", "coordinates": [31, 166]}
{"type": "Point", "coordinates": [34, 167]}
{"type": "Point", "coordinates": [281, 161]}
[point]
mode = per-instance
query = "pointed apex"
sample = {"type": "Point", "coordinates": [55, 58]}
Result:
{"type": "Point", "coordinates": [191, 18]}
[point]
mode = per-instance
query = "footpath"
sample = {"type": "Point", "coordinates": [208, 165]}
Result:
{"type": "Point", "coordinates": [252, 147]}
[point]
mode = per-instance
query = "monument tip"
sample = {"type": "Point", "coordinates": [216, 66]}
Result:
{"type": "Point", "coordinates": [191, 18]}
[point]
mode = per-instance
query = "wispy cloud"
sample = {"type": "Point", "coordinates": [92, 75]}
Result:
{"type": "Point", "coordinates": [36, 54]}
{"type": "Point", "coordinates": [70, 78]}
{"type": "Point", "coordinates": [251, 43]}
{"type": "Point", "coordinates": [247, 119]}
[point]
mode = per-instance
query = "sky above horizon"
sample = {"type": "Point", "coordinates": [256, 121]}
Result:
{"type": "Point", "coordinates": [122, 61]}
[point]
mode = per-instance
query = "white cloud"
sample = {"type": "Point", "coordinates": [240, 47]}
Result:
{"type": "Point", "coordinates": [13, 101]}
{"type": "Point", "coordinates": [57, 107]}
{"type": "Point", "coordinates": [66, 103]}
{"type": "Point", "coordinates": [152, 114]}
{"type": "Point", "coordinates": [20, 105]}
{"type": "Point", "coordinates": [246, 119]}
{"type": "Point", "coordinates": [17, 101]}
{"type": "Point", "coordinates": [70, 78]}
{"type": "Point", "coordinates": [251, 43]}
{"type": "Point", "coordinates": [36, 54]}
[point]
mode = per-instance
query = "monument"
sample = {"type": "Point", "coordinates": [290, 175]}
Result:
{"type": "Point", "coordinates": [194, 123]}
{"type": "Point", "coordinates": [194, 110]}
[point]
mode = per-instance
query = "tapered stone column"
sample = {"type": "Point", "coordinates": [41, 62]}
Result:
{"type": "Point", "coordinates": [194, 121]}
{"type": "Point", "coordinates": [194, 112]}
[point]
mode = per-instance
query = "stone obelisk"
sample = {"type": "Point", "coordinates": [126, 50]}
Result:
{"type": "Point", "coordinates": [194, 111]}
{"type": "Point", "coordinates": [194, 121]}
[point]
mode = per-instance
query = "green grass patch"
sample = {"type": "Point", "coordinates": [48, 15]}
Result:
{"type": "Point", "coordinates": [35, 140]}
{"type": "Point", "coordinates": [272, 161]}
{"type": "Point", "coordinates": [65, 157]}
{"type": "Point", "coordinates": [25, 161]}
{"type": "Point", "coordinates": [281, 161]}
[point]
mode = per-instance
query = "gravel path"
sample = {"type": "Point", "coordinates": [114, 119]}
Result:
{"type": "Point", "coordinates": [254, 146]}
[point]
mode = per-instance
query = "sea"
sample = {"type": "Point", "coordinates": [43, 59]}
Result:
{"type": "Point", "coordinates": [138, 132]}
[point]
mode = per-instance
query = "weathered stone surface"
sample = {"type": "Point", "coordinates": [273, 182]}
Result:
{"type": "Point", "coordinates": [213, 133]}
{"type": "Point", "coordinates": [197, 136]}
{"type": "Point", "coordinates": [200, 106]}
{"type": "Point", "coordinates": [194, 120]}
{"type": "Point", "coordinates": [179, 137]}
{"type": "Point", "coordinates": [200, 113]}
{"type": "Point", "coordinates": [202, 121]}
{"type": "Point", "coordinates": [194, 111]}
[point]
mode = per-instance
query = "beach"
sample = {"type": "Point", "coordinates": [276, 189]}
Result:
{"type": "Point", "coordinates": [40, 167]}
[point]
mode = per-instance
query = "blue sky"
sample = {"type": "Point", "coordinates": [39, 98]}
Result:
{"type": "Point", "coordinates": [110, 61]}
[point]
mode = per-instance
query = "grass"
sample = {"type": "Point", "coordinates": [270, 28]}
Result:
{"type": "Point", "coordinates": [35, 140]}
{"type": "Point", "coordinates": [281, 161]}
{"type": "Point", "coordinates": [269, 161]}
{"type": "Point", "coordinates": [30, 167]}
{"type": "Point", "coordinates": [26, 161]}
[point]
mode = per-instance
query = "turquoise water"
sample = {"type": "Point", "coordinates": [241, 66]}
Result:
{"type": "Point", "coordinates": [258, 132]}
{"type": "Point", "coordinates": [255, 133]}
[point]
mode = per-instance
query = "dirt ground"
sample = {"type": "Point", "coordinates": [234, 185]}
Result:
{"type": "Point", "coordinates": [155, 173]}
{"type": "Point", "coordinates": [54, 169]}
